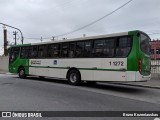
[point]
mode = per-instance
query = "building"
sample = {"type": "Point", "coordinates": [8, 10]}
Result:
{"type": "Point", "coordinates": [155, 49]}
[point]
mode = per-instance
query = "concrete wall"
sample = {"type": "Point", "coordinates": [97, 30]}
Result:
{"type": "Point", "coordinates": [4, 64]}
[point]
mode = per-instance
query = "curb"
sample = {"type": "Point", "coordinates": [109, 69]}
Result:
{"type": "Point", "coordinates": [7, 73]}
{"type": "Point", "coordinates": [146, 86]}
{"type": "Point", "coordinates": [2, 73]}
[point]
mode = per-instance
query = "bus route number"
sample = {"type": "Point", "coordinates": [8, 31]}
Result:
{"type": "Point", "coordinates": [116, 63]}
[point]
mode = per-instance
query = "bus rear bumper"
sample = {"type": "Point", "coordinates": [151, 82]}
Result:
{"type": "Point", "coordinates": [140, 77]}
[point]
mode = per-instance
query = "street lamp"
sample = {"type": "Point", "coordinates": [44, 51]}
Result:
{"type": "Point", "coordinates": [16, 29]}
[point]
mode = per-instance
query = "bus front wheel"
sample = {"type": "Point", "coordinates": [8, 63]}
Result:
{"type": "Point", "coordinates": [74, 77]}
{"type": "Point", "coordinates": [22, 73]}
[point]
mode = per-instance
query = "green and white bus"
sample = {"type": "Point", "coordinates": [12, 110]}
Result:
{"type": "Point", "coordinates": [114, 57]}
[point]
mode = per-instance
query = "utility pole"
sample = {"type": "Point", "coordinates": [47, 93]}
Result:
{"type": "Point", "coordinates": [5, 41]}
{"type": "Point", "coordinates": [14, 28]}
{"type": "Point", "coordinates": [15, 37]}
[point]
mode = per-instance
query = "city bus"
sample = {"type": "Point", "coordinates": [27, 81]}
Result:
{"type": "Point", "coordinates": [119, 57]}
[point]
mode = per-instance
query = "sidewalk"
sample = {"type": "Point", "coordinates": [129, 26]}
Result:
{"type": "Point", "coordinates": [3, 71]}
{"type": "Point", "coordinates": [153, 83]}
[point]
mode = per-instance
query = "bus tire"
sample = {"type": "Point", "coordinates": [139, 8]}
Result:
{"type": "Point", "coordinates": [74, 77]}
{"type": "Point", "coordinates": [21, 73]}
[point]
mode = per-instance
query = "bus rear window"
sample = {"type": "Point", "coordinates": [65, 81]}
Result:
{"type": "Point", "coordinates": [144, 44]}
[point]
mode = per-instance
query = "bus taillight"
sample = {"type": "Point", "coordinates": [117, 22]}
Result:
{"type": "Point", "coordinates": [140, 65]}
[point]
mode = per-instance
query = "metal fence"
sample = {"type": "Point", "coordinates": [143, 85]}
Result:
{"type": "Point", "coordinates": [155, 69]}
{"type": "Point", "coordinates": [155, 59]}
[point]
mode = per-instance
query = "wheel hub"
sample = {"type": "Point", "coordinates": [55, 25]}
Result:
{"type": "Point", "coordinates": [21, 72]}
{"type": "Point", "coordinates": [73, 77]}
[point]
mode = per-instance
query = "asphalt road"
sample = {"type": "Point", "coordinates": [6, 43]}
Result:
{"type": "Point", "coordinates": [34, 94]}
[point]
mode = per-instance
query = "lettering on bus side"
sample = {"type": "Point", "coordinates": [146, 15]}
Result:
{"type": "Point", "coordinates": [116, 63]}
{"type": "Point", "coordinates": [35, 62]}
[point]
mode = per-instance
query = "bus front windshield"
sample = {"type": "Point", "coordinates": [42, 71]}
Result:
{"type": "Point", "coordinates": [145, 44]}
{"type": "Point", "coordinates": [14, 54]}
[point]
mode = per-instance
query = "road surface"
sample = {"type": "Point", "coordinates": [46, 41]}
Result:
{"type": "Point", "coordinates": [34, 94]}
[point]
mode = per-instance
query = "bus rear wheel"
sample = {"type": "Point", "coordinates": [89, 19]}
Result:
{"type": "Point", "coordinates": [74, 77]}
{"type": "Point", "coordinates": [22, 73]}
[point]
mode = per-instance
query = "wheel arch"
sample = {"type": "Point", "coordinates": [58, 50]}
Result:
{"type": "Point", "coordinates": [21, 66]}
{"type": "Point", "coordinates": [73, 68]}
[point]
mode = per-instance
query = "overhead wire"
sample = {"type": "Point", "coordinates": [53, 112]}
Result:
{"type": "Point", "coordinates": [95, 21]}
{"type": "Point", "coordinates": [89, 24]}
{"type": "Point", "coordinates": [9, 33]}
{"type": "Point", "coordinates": [67, 4]}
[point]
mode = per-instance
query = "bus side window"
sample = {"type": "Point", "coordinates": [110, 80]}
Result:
{"type": "Point", "coordinates": [42, 51]}
{"type": "Point", "coordinates": [56, 50]}
{"type": "Point", "coordinates": [79, 49]}
{"type": "Point", "coordinates": [29, 52]}
{"type": "Point", "coordinates": [109, 47]}
{"type": "Point", "coordinates": [50, 51]}
{"type": "Point", "coordinates": [72, 47]}
{"type": "Point", "coordinates": [123, 46]}
{"type": "Point", "coordinates": [23, 51]}
{"type": "Point", "coordinates": [33, 52]}
{"type": "Point", "coordinates": [98, 48]}
{"type": "Point", "coordinates": [64, 50]}
{"type": "Point", "coordinates": [87, 49]}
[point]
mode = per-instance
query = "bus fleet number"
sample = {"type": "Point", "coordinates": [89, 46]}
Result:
{"type": "Point", "coordinates": [116, 63]}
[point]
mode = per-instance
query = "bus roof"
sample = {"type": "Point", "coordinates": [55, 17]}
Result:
{"type": "Point", "coordinates": [83, 38]}
{"type": "Point", "coordinates": [79, 39]}
{"type": "Point", "coordinates": [20, 45]}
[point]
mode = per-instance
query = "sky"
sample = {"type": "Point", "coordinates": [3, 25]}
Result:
{"type": "Point", "coordinates": [47, 18]}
